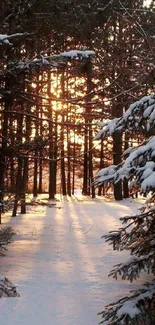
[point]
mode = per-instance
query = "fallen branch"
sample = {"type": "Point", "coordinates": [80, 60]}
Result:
{"type": "Point", "coordinates": [5, 238]}
{"type": "Point", "coordinates": [7, 288]}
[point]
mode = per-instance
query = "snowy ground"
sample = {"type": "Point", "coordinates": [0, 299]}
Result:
{"type": "Point", "coordinates": [60, 263]}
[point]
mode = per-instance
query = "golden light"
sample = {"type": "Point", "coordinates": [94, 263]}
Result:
{"type": "Point", "coordinates": [147, 3]}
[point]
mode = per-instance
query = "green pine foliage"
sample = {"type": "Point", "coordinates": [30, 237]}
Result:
{"type": "Point", "coordinates": [137, 233]}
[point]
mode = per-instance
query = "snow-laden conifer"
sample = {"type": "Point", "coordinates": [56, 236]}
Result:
{"type": "Point", "coordinates": [137, 233]}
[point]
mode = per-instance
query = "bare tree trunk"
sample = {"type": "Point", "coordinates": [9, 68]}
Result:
{"type": "Point", "coordinates": [40, 151]}
{"type": "Point", "coordinates": [101, 188]}
{"type": "Point", "coordinates": [20, 164]}
{"type": "Point", "coordinates": [118, 110]}
{"type": "Point", "coordinates": [68, 143]}
{"type": "Point", "coordinates": [35, 183]}
{"type": "Point", "coordinates": [90, 187]}
{"type": "Point", "coordinates": [51, 143]}
{"type": "Point", "coordinates": [55, 155]}
{"type": "Point", "coordinates": [12, 175]}
{"type": "Point", "coordinates": [63, 172]}
{"type": "Point", "coordinates": [125, 182]}
{"type": "Point", "coordinates": [73, 179]}
{"type": "Point", "coordinates": [117, 153]}
{"type": "Point", "coordinates": [91, 163]}
{"type": "Point", "coordinates": [18, 187]}
{"type": "Point", "coordinates": [69, 167]}
{"type": "Point", "coordinates": [23, 187]}
{"type": "Point", "coordinates": [63, 175]}
{"type": "Point", "coordinates": [85, 172]}
{"type": "Point", "coordinates": [3, 153]}
{"type": "Point", "coordinates": [40, 189]}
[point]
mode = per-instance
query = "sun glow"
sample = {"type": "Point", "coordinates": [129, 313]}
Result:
{"type": "Point", "coordinates": [147, 3]}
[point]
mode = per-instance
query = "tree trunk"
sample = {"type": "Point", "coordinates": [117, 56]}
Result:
{"type": "Point", "coordinates": [63, 172]}
{"type": "Point", "coordinates": [35, 182]}
{"type": "Point", "coordinates": [23, 187]}
{"type": "Point", "coordinates": [73, 179]}
{"type": "Point", "coordinates": [18, 187]}
{"type": "Point", "coordinates": [117, 152]}
{"type": "Point", "coordinates": [101, 188]}
{"type": "Point", "coordinates": [88, 168]}
{"type": "Point", "coordinates": [40, 189]}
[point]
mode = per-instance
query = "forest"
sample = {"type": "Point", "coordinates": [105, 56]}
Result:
{"type": "Point", "coordinates": [77, 114]}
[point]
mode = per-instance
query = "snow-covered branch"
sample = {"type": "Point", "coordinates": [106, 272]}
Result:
{"type": "Point", "coordinates": [138, 237]}
{"type": "Point", "coordinates": [138, 167]}
{"type": "Point", "coordinates": [47, 62]}
{"type": "Point", "coordinates": [140, 115]}
{"type": "Point", "coordinates": [138, 308]}
{"type": "Point", "coordinates": [131, 269]}
{"type": "Point", "coordinates": [5, 39]}
{"type": "Point", "coordinates": [85, 54]}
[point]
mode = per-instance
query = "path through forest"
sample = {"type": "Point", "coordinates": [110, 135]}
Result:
{"type": "Point", "coordinates": [60, 263]}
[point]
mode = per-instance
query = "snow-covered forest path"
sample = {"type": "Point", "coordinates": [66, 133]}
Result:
{"type": "Point", "coordinates": [60, 263]}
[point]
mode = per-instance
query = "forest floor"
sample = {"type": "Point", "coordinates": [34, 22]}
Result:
{"type": "Point", "coordinates": [60, 264]}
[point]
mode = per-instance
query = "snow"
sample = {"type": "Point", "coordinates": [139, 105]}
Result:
{"type": "Point", "coordinates": [148, 111]}
{"type": "Point", "coordinates": [4, 38]}
{"type": "Point", "coordinates": [61, 265]}
{"type": "Point", "coordinates": [76, 53]}
{"type": "Point", "coordinates": [147, 172]}
{"type": "Point", "coordinates": [1, 277]}
{"type": "Point", "coordinates": [128, 151]}
{"type": "Point", "coordinates": [137, 164]}
{"type": "Point", "coordinates": [45, 60]}
{"type": "Point", "coordinates": [149, 182]}
{"type": "Point", "coordinates": [135, 259]}
{"type": "Point", "coordinates": [107, 171]}
{"type": "Point", "coordinates": [128, 308]}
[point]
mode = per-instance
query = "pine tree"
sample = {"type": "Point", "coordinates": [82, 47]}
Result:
{"type": "Point", "coordinates": [137, 233]}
